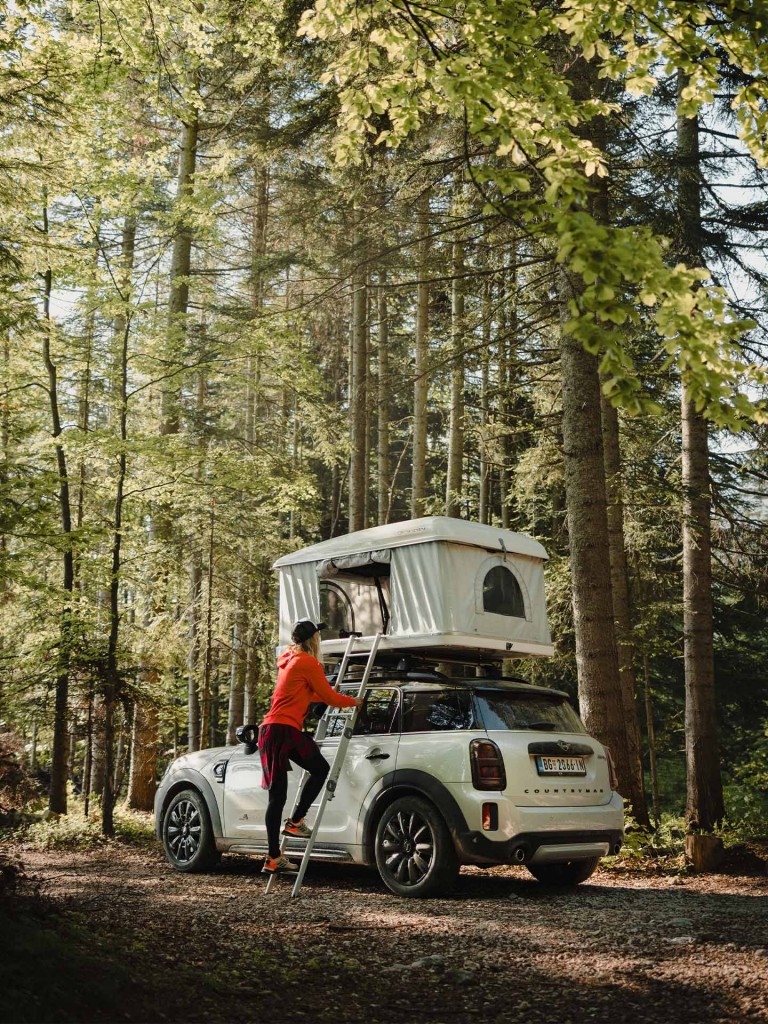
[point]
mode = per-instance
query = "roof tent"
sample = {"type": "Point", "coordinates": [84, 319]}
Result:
{"type": "Point", "coordinates": [457, 588]}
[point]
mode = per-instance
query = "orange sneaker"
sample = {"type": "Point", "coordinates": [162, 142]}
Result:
{"type": "Point", "coordinates": [279, 866]}
{"type": "Point", "coordinates": [296, 829]}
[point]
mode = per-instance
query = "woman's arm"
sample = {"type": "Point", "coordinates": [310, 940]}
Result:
{"type": "Point", "coordinates": [323, 689]}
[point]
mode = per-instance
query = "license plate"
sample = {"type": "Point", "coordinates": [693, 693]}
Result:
{"type": "Point", "coordinates": [561, 766]}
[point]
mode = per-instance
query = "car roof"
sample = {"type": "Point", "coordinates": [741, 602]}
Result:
{"type": "Point", "coordinates": [433, 681]}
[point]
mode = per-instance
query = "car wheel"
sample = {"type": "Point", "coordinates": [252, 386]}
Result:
{"type": "Point", "coordinates": [187, 834]}
{"type": "Point", "coordinates": [414, 851]}
{"type": "Point", "coordinates": [569, 872]}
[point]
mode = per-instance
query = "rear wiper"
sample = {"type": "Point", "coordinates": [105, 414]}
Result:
{"type": "Point", "coordinates": [544, 726]}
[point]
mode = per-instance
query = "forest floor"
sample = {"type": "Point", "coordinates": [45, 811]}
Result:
{"type": "Point", "coordinates": [113, 934]}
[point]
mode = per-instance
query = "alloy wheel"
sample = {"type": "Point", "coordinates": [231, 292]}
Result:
{"type": "Point", "coordinates": [409, 847]}
{"type": "Point", "coordinates": [184, 830]}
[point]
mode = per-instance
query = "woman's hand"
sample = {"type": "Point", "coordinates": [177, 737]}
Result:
{"type": "Point", "coordinates": [359, 701]}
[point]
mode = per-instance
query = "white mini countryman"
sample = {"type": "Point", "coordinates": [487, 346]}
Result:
{"type": "Point", "coordinates": [441, 771]}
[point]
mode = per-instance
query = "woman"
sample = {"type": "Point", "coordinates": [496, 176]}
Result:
{"type": "Point", "coordinates": [300, 682]}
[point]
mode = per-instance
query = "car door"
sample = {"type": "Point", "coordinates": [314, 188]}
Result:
{"type": "Point", "coordinates": [371, 754]}
{"type": "Point", "coordinates": [245, 802]}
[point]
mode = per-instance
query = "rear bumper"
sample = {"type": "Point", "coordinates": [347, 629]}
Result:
{"type": "Point", "coordinates": [538, 847]}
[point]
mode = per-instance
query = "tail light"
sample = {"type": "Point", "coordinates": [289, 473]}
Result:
{"type": "Point", "coordinates": [612, 776]}
{"type": "Point", "coordinates": [487, 765]}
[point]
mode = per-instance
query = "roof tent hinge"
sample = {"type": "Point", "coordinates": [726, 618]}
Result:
{"type": "Point", "coordinates": [382, 606]}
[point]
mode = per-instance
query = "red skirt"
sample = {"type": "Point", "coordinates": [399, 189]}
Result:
{"type": "Point", "coordinates": [276, 744]}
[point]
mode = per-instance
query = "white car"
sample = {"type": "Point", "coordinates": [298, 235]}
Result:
{"type": "Point", "coordinates": [439, 772]}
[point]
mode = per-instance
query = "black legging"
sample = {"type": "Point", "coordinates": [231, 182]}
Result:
{"type": "Point", "coordinates": [318, 769]}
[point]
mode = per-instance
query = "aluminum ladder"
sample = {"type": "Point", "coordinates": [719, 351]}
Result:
{"type": "Point", "coordinates": [329, 789]}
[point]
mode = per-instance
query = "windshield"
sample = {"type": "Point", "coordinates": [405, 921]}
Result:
{"type": "Point", "coordinates": [518, 711]}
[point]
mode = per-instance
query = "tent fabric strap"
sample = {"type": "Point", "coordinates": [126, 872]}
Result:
{"type": "Point", "coordinates": [375, 561]}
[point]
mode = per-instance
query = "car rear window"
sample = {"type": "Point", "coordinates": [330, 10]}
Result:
{"type": "Point", "coordinates": [518, 711]}
{"type": "Point", "coordinates": [438, 711]}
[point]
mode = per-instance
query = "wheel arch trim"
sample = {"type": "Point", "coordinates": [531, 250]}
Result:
{"type": "Point", "coordinates": [185, 779]}
{"type": "Point", "coordinates": [402, 782]}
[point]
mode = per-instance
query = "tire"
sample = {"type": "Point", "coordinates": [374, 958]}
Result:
{"type": "Point", "coordinates": [569, 872]}
{"type": "Point", "coordinates": [188, 838]}
{"type": "Point", "coordinates": [414, 850]}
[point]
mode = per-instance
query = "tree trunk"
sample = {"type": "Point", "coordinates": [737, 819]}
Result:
{"type": "Point", "coordinates": [704, 805]}
{"type": "Point", "coordinates": [142, 784]}
{"type": "Point", "coordinates": [383, 403]}
{"type": "Point", "coordinates": [112, 685]}
{"type": "Point", "coordinates": [358, 376]}
{"type": "Point", "coordinates": [251, 676]}
{"type": "Point", "coordinates": [193, 652]}
{"type": "Point", "coordinates": [236, 705]}
{"type": "Point", "coordinates": [629, 761]}
{"type": "Point", "coordinates": [88, 757]}
{"type": "Point", "coordinates": [651, 734]}
{"type": "Point", "coordinates": [600, 696]}
{"type": "Point", "coordinates": [507, 345]}
{"type": "Point", "coordinates": [97, 749]}
{"type": "Point", "coordinates": [205, 703]}
{"type": "Point", "coordinates": [181, 256]}
{"type": "Point", "coordinates": [57, 797]}
{"type": "Point", "coordinates": [421, 365]}
{"type": "Point", "coordinates": [258, 253]}
{"type": "Point", "coordinates": [453, 484]}
{"type": "Point", "coordinates": [600, 693]}
{"type": "Point", "coordinates": [484, 483]}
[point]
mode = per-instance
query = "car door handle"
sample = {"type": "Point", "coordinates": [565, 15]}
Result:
{"type": "Point", "coordinates": [376, 755]}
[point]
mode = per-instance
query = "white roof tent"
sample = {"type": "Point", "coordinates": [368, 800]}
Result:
{"type": "Point", "coordinates": [454, 588]}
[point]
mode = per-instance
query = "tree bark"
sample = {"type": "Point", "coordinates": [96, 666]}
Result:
{"type": "Point", "coordinates": [453, 484]}
{"type": "Point", "coordinates": [358, 378]}
{"type": "Point", "coordinates": [600, 693]}
{"type": "Point", "coordinates": [181, 265]}
{"type": "Point", "coordinates": [704, 805]}
{"type": "Point", "coordinates": [112, 685]}
{"type": "Point", "coordinates": [421, 362]}
{"type": "Point", "coordinates": [97, 748]}
{"type": "Point", "coordinates": [205, 702]}
{"type": "Point", "coordinates": [57, 796]}
{"type": "Point", "coordinates": [382, 439]}
{"type": "Point", "coordinates": [193, 652]}
{"type": "Point", "coordinates": [236, 705]}
{"type": "Point", "coordinates": [600, 697]}
{"type": "Point", "coordinates": [506, 346]}
{"type": "Point", "coordinates": [142, 784]}
{"type": "Point", "coordinates": [484, 483]}
{"type": "Point", "coordinates": [628, 760]}
{"type": "Point", "coordinates": [651, 734]}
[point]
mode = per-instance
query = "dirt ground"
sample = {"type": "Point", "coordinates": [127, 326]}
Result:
{"type": "Point", "coordinates": [116, 935]}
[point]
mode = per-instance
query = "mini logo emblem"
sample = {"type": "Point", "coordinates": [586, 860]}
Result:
{"type": "Point", "coordinates": [563, 745]}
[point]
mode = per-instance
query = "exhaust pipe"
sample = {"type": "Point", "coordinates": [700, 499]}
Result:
{"type": "Point", "coordinates": [518, 854]}
{"type": "Point", "coordinates": [616, 849]}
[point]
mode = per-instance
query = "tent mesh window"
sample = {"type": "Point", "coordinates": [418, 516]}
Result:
{"type": "Point", "coordinates": [502, 594]}
{"type": "Point", "coordinates": [336, 608]}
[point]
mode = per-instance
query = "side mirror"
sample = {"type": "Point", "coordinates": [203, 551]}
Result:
{"type": "Point", "coordinates": [249, 735]}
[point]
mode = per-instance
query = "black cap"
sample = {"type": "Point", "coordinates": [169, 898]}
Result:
{"type": "Point", "coordinates": [304, 629]}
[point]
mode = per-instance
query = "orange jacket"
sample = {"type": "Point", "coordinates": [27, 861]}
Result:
{"type": "Point", "coordinates": [300, 682]}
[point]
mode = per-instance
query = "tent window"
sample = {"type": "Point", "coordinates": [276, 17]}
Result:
{"type": "Point", "coordinates": [502, 594]}
{"type": "Point", "coordinates": [336, 609]}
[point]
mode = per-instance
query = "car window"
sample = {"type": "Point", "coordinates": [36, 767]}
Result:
{"type": "Point", "coordinates": [519, 711]}
{"type": "Point", "coordinates": [379, 713]}
{"type": "Point", "coordinates": [377, 717]}
{"type": "Point", "coordinates": [437, 711]}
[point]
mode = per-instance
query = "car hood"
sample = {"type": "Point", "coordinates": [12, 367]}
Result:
{"type": "Point", "coordinates": [200, 758]}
